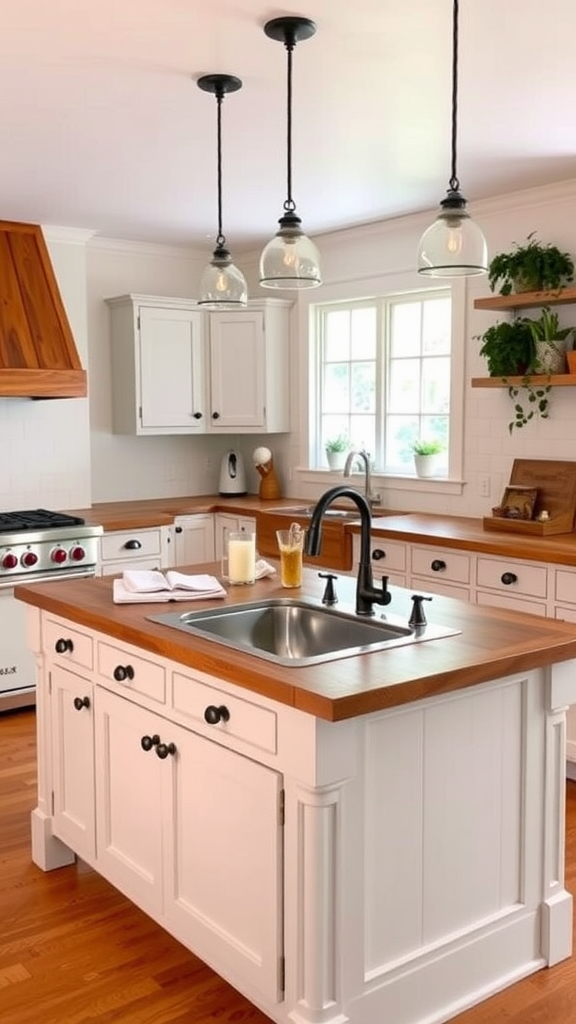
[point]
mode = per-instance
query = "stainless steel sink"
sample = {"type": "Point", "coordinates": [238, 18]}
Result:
{"type": "Point", "coordinates": [307, 510]}
{"type": "Point", "coordinates": [296, 633]}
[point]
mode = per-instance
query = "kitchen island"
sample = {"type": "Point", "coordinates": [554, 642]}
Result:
{"type": "Point", "coordinates": [377, 838]}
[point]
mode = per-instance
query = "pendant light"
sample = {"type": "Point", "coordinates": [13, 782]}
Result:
{"type": "Point", "coordinates": [222, 286]}
{"type": "Point", "coordinates": [454, 245]}
{"type": "Point", "coordinates": [290, 260]}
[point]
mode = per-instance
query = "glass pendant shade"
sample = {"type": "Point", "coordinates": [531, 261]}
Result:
{"type": "Point", "coordinates": [453, 246]}
{"type": "Point", "coordinates": [222, 285]}
{"type": "Point", "coordinates": [290, 259]}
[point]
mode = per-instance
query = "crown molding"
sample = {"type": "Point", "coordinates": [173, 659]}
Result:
{"type": "Point", "coordinates": [152, 249]}
{"type": "Point", "coordinates": [74, 236]}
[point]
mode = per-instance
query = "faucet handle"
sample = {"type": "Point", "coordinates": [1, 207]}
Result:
{"type": "Point", "coordinates": [329, 597]}
{"type": "Point", "coordinates": [418, 618]}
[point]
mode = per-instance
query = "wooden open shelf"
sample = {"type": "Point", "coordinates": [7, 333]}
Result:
{"type": "Point", "coordinates": [556, 380]}
{"type": "Point", "coordinates": [525, 299]}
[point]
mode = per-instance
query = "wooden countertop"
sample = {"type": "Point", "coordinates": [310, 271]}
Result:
{"type": "Point", "coordinates": [494, 642]}
{"type": "Point", "coordinates": [133, 515]}
{"type": "Point", "coordinates": [463, 532]}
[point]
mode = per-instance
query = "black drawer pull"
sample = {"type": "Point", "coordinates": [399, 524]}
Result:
{"type": "Point", "coordinates": [197, 415]}
{"type": "Point", "coordinates": [147, 742]}
{"type": "Point", "coordinates": [123, 672]}
{"type": "Point", "coordinates": [133, 545]}
{"type": "Point", "coordinates": [438, 565]}
{"type": "Point", "coordinates": [62, 645]}
{"type": "Point", "coordinates": [213, 715]}
{"type": "Point", "coordinates": [163, 749]}
{"type": "Point", "coordinates": [378, 554]}
{"type": "Point", "coordinates": [215, 415]}
{"type": "Point", "coordinates": [81, 702]}
{"type": "Point", "coordinates": [508, 577]}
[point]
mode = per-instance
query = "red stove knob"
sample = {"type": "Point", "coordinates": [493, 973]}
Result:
{"type": "Point", "coordinates": [29, 558]}
{"type": "Point", "coordinates": [77, 554]}
{"type": "Point", "coordinates": [58, 555]}
{"type": "Point", "coordinates": [9, 561]}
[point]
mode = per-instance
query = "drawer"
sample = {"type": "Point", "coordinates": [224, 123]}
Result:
{"type": "Point", "coordinates": [128, 544]}
{"type": "Point", "coordinates": [493, 599]}
{"type": "Point", "coordinates": [438, 586]}
{"type": "Point", "coordinates": [513, 577]}
{"type": "Point", "coordinates": [387, 557]}
{"type": "Point", "coordinates": [439, 564]}
{"type": "Point", "coordinates": [77, 647]}
{"type": "Point", "coordinates": [128, 672]}
{"type": "Point", "coordinates": [248, 722]}
{"type": "Point", "coordinates": [565, 589]}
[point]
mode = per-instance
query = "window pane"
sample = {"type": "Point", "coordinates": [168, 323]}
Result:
{"type": "Point", "coordinates": [406, 329]}
{"type": "Point", "coordinates": [363, 392]}
{"type": "Point", "coordinates": [336, 397]}
{"type": "Point", "coordinates": [337, 335]}
{"type": "Point", "coordinates": [435, 385]}
{"type": "Point", "coordinates": [364, 333]}
{"type": "Point", "coordinates": [404, 390]}
{"type": "Point", "coordinates": [436, 326]}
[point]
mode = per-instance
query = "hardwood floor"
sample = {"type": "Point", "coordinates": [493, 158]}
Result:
{"type": "Point", "coordinates": [74, 951]}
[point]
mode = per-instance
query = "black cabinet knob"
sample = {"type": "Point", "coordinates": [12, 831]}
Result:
{"type": "Point", "coordinates": [147, 742]}
{"type": "Point", "coordinates": [197, 415]}
{"type": "Point", "coordinates": [213, 715]}
{"type": "Point", "coordinates": [62, 645]}
{"type": "Point", "coordinates": [81, 702]}
{"type": "Point", "coordinates": [437, 565]}
{"type": "Point", "coordinates": [215, 415]}
{"type": "Point", "coordinates": [508, 577]}
{"type": "Point", "coordinates": [133, 545]}
{"type": "Point", "coordinates": [123, 672]}
{"type": "Point", "coordinates": [163, 749]}
{"type": "Point", "coordinates": [378, 554]}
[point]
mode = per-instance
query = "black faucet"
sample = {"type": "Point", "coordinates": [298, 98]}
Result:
{"type": "Point", "coordinates": [366, 593]}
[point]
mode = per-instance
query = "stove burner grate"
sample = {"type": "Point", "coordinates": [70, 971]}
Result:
{"type": "Point", "coordinates": [36, 519]}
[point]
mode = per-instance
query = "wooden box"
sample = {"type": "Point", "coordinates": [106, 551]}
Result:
{"type": "Point", "coordinates": [556, 484]}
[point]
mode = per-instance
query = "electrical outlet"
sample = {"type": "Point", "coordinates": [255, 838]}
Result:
{"type": "Point", "coordinates": [484, 486]}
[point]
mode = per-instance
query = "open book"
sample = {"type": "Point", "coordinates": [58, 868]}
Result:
{"type": "Point", "coordinates": [152, 585]}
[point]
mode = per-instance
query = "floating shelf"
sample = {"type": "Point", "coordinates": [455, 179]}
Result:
{"type": "Point", "coordinates": [558, 380]}
{"type": "Point", "coordinates": [524, 299]}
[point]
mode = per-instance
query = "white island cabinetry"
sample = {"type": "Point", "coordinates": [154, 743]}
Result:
{"type": "Point", "coordinates": [149, 548]}
{"type": "Point", "coordinates": [179, 370]}
{"type": "Point", "coordinates": [396, 866]}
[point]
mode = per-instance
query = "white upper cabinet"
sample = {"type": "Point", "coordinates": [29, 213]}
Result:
{"type": "Point", "coordinates": [179, 370]}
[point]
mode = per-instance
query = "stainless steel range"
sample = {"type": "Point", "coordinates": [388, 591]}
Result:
{"type": "Point", "coordinates": [35, 546]}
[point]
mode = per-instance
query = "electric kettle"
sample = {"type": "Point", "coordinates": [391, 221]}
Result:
{"type": "Point", "coordinates": [232, 475]}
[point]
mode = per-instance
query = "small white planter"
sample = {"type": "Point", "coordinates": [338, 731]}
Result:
{"type": "Point", "coordinates": [336, 460]}
{"type": "Point", "coordinates": [426, 465]}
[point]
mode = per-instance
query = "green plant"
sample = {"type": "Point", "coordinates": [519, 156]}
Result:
{"type": "Point", "coordinates": [427, 447]}
{"type": "Point", "coordinates": [508, 347]}
{"type": "Point", "coordinates": [538, 402]}
{"type": "Point", "coordinates": [337, 444]}
{"type": "Point", "coordinates": [547, 328]}
{"type": "Point", "coordinates": [530, 267]}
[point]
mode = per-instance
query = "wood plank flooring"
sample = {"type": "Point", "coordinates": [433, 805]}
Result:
{"type": "Point", "coordinates": [74, 951]}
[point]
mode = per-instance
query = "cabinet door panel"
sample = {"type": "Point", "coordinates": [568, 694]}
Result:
{"type": "Point", "coordinates": [129, 800]}
{"type": "Point", "coordinates": [237, 370]}
{"type": "Point", "coordinates": [73, 761]}
{"type": "Point", "coordinates": [171, 369]}
{"type": "Point", "coordinates": [224, 863]}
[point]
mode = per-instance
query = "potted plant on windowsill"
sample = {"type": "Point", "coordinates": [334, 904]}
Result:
{"type": "Point", "coordinates": [426, 457]}
{"type": "Point", "coordinates": [336, 449]}
{"type": "Point", "coordinates": [531, 267]}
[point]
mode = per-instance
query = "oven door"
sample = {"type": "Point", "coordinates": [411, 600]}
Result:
{"type": "Point", "coordinates": [17, 663]}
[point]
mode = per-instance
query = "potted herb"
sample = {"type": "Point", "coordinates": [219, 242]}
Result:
{"type": "Point", "coordinates": [336, 449]}
{"type": "Point", "coordinates": [550, 342]}
{"type": "Point", "coordinates": [426, 456]}
{"type": "Point", "coordinates": [531, 267]}
{"type": "Point", "coordinates": [509, 348]}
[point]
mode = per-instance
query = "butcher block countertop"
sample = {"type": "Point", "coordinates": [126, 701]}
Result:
{"type": "Point", "coordinates": [493, 642]}
{"type": "Point", "coordinates": [414, 528]}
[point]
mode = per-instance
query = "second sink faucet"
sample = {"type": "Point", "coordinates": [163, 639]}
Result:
{"type": "Point", "coordinates": [364, 456]}
{"type": "Point", "coordinates": [366, 593]}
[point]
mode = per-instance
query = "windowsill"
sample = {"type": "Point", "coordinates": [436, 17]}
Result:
{"type": "Point", "coordinates": [380, 482]}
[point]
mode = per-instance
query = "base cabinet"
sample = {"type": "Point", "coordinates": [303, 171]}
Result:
{"type": "Point", "coordinates": [399, 866]}
{"type": "Point", "coordinates": [194, 539]}
{"type": "Point", "coordinates": [150, 548]}
{"type": "Point", "coordinates": [73, 761]}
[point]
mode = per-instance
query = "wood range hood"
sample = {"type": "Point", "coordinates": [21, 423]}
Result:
{"type": "Point", "coordinates": [38, 355]}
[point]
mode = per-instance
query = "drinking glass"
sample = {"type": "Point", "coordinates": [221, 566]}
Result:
{"type": "Point", "coordinates": [239, 559]}
{"type": "Point", "coordinates": [291, 544]}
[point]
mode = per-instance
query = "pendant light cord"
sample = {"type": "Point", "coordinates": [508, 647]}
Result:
{"type": "Point", "coordinates": [220, 240]}
{"type": "Point", "coordinates": [289, 204]}
{"type": "Point", "coordinates": [454, 183]}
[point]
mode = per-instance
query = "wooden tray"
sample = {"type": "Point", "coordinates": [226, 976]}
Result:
{"type": "Point", "coordinates": [556, 484]}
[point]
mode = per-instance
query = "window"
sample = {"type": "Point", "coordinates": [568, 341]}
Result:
{"type": "Point", "coordinates": [383, 375]}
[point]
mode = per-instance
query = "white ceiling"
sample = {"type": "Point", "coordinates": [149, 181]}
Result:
{"type": "Point", "coordinates": [103, 127]}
